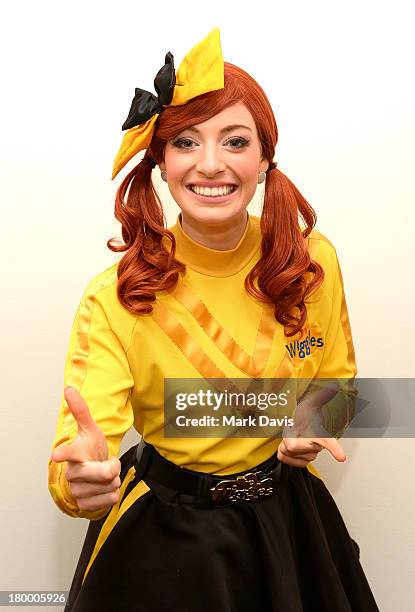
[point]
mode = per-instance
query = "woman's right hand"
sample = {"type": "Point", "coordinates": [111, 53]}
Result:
{"type": "Point", "coordinates": [93, 478]}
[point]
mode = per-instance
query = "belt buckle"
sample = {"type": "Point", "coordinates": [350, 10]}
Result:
{"type": "Point", "coordinates": [247, 487]}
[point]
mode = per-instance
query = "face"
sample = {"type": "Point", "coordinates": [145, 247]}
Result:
{"type": "Point", "coordinates": [222, 155]}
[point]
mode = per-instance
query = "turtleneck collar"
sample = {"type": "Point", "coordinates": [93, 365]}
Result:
{"type": "Point", "coordinates": [211, 261]}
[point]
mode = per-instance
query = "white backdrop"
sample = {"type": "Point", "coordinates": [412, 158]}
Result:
{"type": "Point", "coordinates": [338, 78]}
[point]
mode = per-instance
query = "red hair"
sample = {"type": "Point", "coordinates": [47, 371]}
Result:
{"type": "Point", "coordinates": [285, 262]}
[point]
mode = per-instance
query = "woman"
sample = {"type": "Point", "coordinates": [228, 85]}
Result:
{"type": "Point", "coordinates": [205, 523]}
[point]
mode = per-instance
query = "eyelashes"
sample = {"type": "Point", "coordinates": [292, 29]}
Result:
{"type": "Point", "coordinates": [181, 143]}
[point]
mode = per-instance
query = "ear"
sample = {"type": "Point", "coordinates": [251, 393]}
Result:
{"type": "Point", "coordinates": [162, 165]}
{"type": "Point", "coordinates": [263, 166]}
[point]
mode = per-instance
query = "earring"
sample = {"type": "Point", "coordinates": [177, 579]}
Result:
{"type": "Point", "coordinates": [261, 177]}
{"type": "Point", "coordinates": [163, 175]}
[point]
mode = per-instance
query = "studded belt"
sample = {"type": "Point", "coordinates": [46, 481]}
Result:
{"type": "Point", "coordinates": [249, 486]}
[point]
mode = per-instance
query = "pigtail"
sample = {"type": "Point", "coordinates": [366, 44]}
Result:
{"type": "Point", "coordinates": [285, 261]}
{"type": "Point", "coordinates": [146, 267]}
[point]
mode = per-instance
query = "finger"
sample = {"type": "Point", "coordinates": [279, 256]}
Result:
{"type": "Point", "coordinates": [82, 490]}
{"type": "Point", "coordinates": [307, 456]}
{"type": "Point", "coordinates": [99, 502]}
{"type": "Point", "coordinates": [299, 446]}
{"type": "Point", "coordinates": [315, 445]}
{"type": "Point", "coordinates": [94, 471]}
{"type": "Point", "coordinates": [333, 446]}
{"type": "Point", "coordinates": [291, 460]}
{"type": "Point", "coordinates": [68, 452]}
{"type": "Point", "coordinates": [79, 409]}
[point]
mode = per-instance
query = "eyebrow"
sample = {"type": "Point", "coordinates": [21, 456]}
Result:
{"type": "Point", "coordinates": [228, 128]}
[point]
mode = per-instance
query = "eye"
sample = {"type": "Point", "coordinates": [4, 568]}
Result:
{"type": "Point", "coordinates": [240, 142]}
{"type": "Point", "coordinates": [235, 143]}
{"type": "Point", "coordinates": [180, 143]}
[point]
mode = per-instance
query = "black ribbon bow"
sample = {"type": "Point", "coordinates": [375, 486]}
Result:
{"type": "Point", "coordinates": [145, 104]}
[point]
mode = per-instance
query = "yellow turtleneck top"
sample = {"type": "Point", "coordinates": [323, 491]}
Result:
{"type": "Point", "coordinates": [208, 326]}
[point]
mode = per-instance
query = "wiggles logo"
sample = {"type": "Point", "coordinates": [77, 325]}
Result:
{"type": "Point", "coordinates": [302, 348]}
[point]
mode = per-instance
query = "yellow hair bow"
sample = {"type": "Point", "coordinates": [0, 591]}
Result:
{"type": "Point", "coordinates": [201, 71]}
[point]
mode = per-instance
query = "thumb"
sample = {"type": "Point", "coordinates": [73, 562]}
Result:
{"type": "Point", "coordinates": [315, 397]}
{"type": "Point", "coordinates": [333, 446]}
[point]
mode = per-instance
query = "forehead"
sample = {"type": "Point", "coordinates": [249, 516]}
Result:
{"type": "Point", "coordinates": [237, 114]}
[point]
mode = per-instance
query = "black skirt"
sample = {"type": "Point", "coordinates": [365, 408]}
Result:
{"type": "Point", "coordinates": [156, 551]}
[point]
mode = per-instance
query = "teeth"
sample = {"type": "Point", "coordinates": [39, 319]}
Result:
{"type": "Point", "coordinates": [215, 191]}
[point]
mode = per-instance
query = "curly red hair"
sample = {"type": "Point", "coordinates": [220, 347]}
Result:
{"type": "Point", "coordinates": [285, 262]}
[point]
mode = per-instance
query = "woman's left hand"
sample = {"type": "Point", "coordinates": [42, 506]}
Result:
{"type": "Point", "coordinates": [300, 451]}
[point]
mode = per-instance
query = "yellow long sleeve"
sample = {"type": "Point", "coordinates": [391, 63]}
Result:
{"type": "Point", "coordinates": [338, 359]}
{"type": "Point", "coordinates": [97, 366]}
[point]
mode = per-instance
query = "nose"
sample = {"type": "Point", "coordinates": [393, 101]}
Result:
{"type": "Point", "coordinates": [210, 161]}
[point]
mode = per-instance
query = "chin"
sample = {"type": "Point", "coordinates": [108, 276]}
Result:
{"type": "Point", "coordinates": [212, 214]}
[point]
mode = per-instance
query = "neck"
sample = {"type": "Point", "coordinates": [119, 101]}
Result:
{"type": "Point", "coordinates": [217, 261]}
{"type": "Point", "coordinates": [221, 236]}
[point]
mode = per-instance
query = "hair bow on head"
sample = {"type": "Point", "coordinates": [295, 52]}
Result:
{"type": "Point", "coordinates": [201, 70]}
{"type": "Point", "coordinates": [145, 104]}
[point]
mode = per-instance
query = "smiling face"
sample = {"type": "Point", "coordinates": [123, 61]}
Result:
{"type": "Point", "coordinates": [222, 155]}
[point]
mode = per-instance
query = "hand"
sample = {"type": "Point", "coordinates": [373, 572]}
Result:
{"type": "Point", "coordinates": [300, 450]}
{"type": "Point", "coordinates": [93, 478]}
